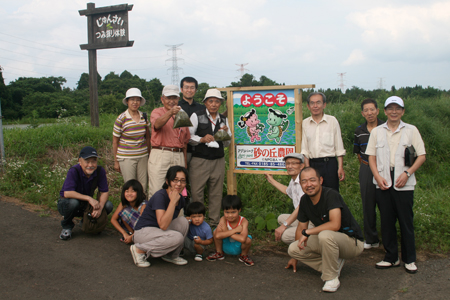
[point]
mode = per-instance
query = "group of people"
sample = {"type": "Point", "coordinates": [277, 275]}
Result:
{"type": "Point", "coordinates": [321, 231]}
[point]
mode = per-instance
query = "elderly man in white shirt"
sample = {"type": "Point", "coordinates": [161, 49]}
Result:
{"type": "Point", "coordinates": [207, 166]}
{"type": "Point", "coordinates": [322, 142]}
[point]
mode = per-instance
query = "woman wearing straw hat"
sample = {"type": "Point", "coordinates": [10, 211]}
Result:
{"type": "Point", "coordinates": [131, 139]}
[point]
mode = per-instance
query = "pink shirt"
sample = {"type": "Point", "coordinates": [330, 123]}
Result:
{"type": "Point", "coordinates": [166, 136]}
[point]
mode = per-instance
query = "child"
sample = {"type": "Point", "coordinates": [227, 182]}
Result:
{"type": "Point", "coordinates": [200, 234]}
{"type": "Point", "coordinates": [231, 233]}
{"type": "Point", "coordinates": [129, 210]}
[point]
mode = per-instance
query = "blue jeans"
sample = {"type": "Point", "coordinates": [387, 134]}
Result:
{"type": "Point", "coordinates": [70, 208]}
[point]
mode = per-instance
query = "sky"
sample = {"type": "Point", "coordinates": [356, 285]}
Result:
{"type": "Point", "coordinates": [332, 44]}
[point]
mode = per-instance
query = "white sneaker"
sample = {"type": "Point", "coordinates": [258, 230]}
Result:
{"type": "Point", "coordinates": [198, 257]}
{"type": "Point", "coordinates": [370, 246]}
{"type": "Point", "coordinates": [175, 260]}
{"type": "Point", "coordinates": [411, 268]}
{"type": "Point", "coordinates": [386, 265]}
{"type": "Point", "coordinates": [331, 286]}
{"type": "Point", "coordinates": [341, 262]}
{"type": "Point", "coordinates": [139, 258]}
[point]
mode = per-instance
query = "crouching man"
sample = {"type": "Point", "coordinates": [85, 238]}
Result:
{"type": "Point", "coordinates": [78, 190]}
{"type": "Point", "coordinates": [335, 237]}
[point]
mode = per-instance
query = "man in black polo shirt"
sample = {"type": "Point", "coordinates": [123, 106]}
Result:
{"type": "Point", "coordinates": [335, 237]}
{"type": "Point", "coordinates": [189, 86]}
{"type": "Point", "coordinates": [369, 110]}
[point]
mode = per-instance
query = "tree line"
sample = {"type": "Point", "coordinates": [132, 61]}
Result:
{"type": "Point", "coordinates": [45, 97]}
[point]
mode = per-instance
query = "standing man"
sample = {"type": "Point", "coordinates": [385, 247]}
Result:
{"type": "Point", "coordinates": [322, 142]}
{"type": "Point", "coordinates": [335, 237]}
{"type": "Point", "coordinates": [78, 191]}
{"type": "Point", "coordinates": [288, 222]}
{"type": "Point", "coordinates": [189, 86]}
{"type": "Point", "coordinates": [168, 144]}
{"type": "Point", "coordinates": [207, 166]}
{"type": "Point", "coordinates": [369, 110]}
{"type": "Point", "coordinates": [395, 182]}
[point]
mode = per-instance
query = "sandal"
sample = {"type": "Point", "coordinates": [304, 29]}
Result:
{"type": "Point", "coordinates": [246, 260]}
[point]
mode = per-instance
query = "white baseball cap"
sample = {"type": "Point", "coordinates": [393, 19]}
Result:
{"type": "Point", "coordinates": [395, 100]}
{"type": "Point", "coordinates": [133, 92]}
{"type": "Point", "coordinates": [171, 90]}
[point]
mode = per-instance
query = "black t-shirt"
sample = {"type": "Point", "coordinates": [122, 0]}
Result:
{"type": "Point", "coordinates": [190, 108]}
{"type": "Point", "coordinates": [320, 213]}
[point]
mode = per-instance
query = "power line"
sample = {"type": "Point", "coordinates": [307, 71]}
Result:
{"type": "Point", "coordinates": [174, 59]}
{"type": "Point", "coordinates": [242, 69]}
{"type": "Point", "coordinates": [341, 80]}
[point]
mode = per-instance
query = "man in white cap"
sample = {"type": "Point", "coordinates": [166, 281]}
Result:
{"type": "Point", "coordinates": [168, 144]}
{"type": "Point", "coordinates": [207, 166]}
{"type": "Point", "coordinates": [395, 181]}
{"type": "Point", "coordinates": [295, 162]}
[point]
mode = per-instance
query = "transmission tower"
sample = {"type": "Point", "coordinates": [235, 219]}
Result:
{"type": "Point", "coordinates": [174, 59]}
{"type": "Point", "coordinates": [380, 83]}
{"type": "Point", "coordinates": [341, 81]}
{"type": "Point", "coordinates": [242, 69]}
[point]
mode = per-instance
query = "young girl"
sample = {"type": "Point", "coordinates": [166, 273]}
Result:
{"type": "Point", "coordinates": [129, 210]}
{"type": "Point", "coordinates": [231, 235]}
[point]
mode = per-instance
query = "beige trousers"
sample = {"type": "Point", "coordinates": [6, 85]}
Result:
{"type": "Point", "coordinates": [323, 251]}
{"type": "Point", "coordinates": [204, 172]}
{"type": "Point", "coordinates": [134, 168]}
{"type": "Point", "coordinates": [159, 162]}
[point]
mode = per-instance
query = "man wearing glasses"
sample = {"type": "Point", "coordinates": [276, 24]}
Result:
{"type": "Point", "coordinates": [168, 144]}
{"type": "Point", "coordinates": [288, 222]}
{"type": "Point", "coordinates": [189, 86]}
{"type": "Point", "coordinates": [207, 166]}
{"type": "Point", "coordinates": [395, 181]}
{"type": "Point", "coordinates": [322, 142]}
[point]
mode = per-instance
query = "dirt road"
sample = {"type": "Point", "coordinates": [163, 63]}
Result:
{"type": "Point", "coordinates": [36, 264]}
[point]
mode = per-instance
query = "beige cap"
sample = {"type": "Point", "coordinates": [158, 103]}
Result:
{"type": "Point", "coordinates": [171, 90]}
{"type": "Point", "coordinates": [213, 93]}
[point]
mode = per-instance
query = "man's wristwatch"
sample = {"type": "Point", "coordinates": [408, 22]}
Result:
{"type": "Point", "coordinates": [407, 174]}
{"type": "Point", "coordinates": [285, 224]}
{"type": "Point", "coordinates": [304, 233]}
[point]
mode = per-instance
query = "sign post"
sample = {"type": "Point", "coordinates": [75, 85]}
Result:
{"type": "Point", "coordinates": [266, 126]}
{"type": "Point", "coordinates": [107, 28]}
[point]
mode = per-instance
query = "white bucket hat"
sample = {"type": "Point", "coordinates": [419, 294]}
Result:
{"type": "Point", "coordinates": [213, 93]}
{"type": "Point", "coordinates": [133, 92]}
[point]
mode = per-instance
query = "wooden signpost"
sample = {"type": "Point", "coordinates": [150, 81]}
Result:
{"type": "Point", "coordinates": [107, 28]}
{"type": "Point", "coordinates": [266, 123]}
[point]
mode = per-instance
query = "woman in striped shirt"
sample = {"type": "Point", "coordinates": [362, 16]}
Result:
{"type": "Point", "coordinates": [131, 140]}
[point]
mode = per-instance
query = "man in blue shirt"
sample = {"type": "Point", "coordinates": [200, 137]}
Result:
{"type": "Point", "coordinates": [78, 190]}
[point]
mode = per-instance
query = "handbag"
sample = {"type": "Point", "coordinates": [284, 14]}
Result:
{"type": "Point", "coordinates": [410, 156]}
{"type": "Point", "coordinates": [94, 225]}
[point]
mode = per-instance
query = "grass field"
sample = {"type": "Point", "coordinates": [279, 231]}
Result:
{"type": "Point", "coordinates": [38, 159]}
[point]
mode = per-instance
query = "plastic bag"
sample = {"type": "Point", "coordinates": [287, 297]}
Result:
{"type": "Point", "coordinates": [221, 136]}
{"type": "Point", "coordinates": [182, 120]}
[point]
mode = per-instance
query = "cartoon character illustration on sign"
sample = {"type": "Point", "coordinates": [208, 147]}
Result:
{"type": "Point", "coordinates": [278, 124]}
{"type": "Point", "coordinates": [253, 124]}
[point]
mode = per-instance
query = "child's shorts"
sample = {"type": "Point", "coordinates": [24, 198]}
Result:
{"type": "Point", "coordinates": [231, 246]}
{"type": "Point", "coordinates": [189, 244]}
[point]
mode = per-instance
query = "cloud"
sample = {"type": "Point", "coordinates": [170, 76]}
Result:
{"type": "Point", "coordinates": [419, 32]}
{"type": "Point", "coordinates": [356, 57]}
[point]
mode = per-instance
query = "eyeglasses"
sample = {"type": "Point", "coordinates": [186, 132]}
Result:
{"type": "Point", "coordinates": [318, 103]}
{"type": "Point", "coordinates": [177, 181]}
{"type": "Point", "coordinates": [292, 164]}
{"type": "Point", "coordinates": [398, 108]}
{"type": "Point", "coordinates": [188, 87]}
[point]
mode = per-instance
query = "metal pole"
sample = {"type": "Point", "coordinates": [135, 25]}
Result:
{"type": "Point", "coordinates": [2, 144]}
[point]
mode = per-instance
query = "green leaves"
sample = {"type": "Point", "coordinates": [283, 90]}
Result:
{"type": "Point", "coordinates": [270, 222]}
